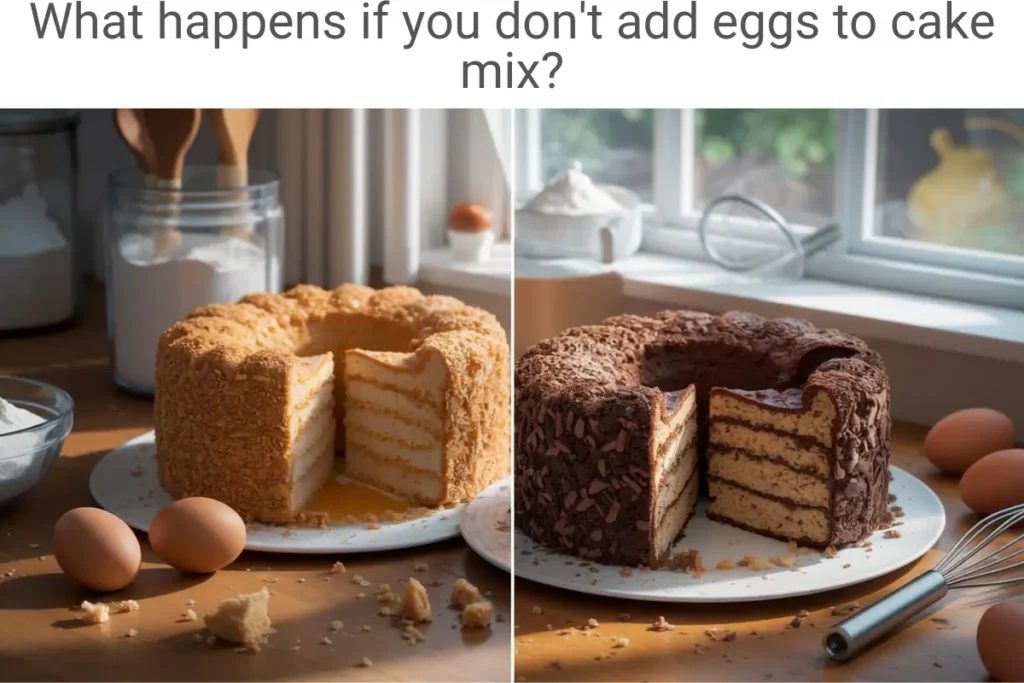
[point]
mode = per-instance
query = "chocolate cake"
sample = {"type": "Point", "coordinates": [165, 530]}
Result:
{"type": "Point", "coordinates": [619, 426]}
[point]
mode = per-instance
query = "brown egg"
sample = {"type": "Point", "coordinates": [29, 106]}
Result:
{"type": "Point", "coordinates": [199, 535]}
{"type": "Point", "coordinates": [995, 482]}
{"type": "Point", "coordinates": [961, 439]}
{"type": "Point", "coordinates": [470, 217]}
{"type": "Point", "coordinates": [96, 549]}
{"type": "Point", "coordinates": [1000, 636]}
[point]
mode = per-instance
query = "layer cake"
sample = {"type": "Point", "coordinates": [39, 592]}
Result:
{"type": "Point", "coordinates": [254, 399]}
{"type": "Point", "coordinates": [620, 425]}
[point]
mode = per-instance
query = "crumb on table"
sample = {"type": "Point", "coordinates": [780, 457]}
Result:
{"type": "Point", "coordinates": [464, 593]}
{"type": "Point", "coordinates": [416, 602]}
{"type": "Point", "coordinates": [95, 613]}
{"type": "Point", "coordinates": [477, 615]}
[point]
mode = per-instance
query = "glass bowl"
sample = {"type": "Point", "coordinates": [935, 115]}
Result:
{"type": "Point", "coordinates": [28, 454]}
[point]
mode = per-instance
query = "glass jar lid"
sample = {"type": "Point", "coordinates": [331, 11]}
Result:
{"type": "Point", "coordinates": [32, 121]}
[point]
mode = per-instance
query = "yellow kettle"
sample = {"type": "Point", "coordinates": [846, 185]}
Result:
{"type": "Point", "coordinates": [962, 193]}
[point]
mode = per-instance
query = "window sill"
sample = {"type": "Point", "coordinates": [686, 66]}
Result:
{"type": "Point", "coordinates": [933, 323]}
{"type": "Point", "coordinates": [493, 276]}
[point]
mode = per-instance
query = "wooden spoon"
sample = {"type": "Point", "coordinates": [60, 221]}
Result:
{"type": "Point", "coordinates": [233, 130]}
{"type": "Point", "coordinates": [133, 131]}
{"type": "Point", "coordinates": [172, 132]}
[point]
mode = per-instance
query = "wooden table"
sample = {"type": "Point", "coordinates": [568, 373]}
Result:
{"type": "Point", "coordinates": [42, 639]}
{"type": "Point", "coordinates": [924, 651]}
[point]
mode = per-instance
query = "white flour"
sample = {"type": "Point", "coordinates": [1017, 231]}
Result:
{"type": "Point", "coordinates": [152, 292]}
{"type": "Point", "coordinates": [13, 418]}
{"type": "Point", "coordinates": [14, 478]}
{"type": "Point", "coordinates": [36, 286]}
{"type": "Point", "coordinates": [573, 194]}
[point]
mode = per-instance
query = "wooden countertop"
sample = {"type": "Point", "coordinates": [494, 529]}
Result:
{"type": "Point", "coordinates": [924, 651]}
{"type": "Point", "coordinates": [43, 640]}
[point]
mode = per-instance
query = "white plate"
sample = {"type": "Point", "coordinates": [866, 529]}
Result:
{"type": "Point", "coordinates": [125, 483]}
{"type": "Point", "coordinates": [923, 522]}
{"type": "Point", "coordinates": [486, 524]}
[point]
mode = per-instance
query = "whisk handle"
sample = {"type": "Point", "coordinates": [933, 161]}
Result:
{"type": "Point", "coordinates": [847, 638]}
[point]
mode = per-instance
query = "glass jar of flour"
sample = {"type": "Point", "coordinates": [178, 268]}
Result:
{"type": "Point", "coordinates": [38, 186]}
{"type": "Point", "coordinates": [171, 251]}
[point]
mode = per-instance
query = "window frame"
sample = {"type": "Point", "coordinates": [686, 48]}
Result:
{"type": "Point", "coordinates": [859, 258]}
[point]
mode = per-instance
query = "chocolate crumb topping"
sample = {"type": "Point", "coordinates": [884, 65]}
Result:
{"type": "Point", "coordinates": [588, 402]}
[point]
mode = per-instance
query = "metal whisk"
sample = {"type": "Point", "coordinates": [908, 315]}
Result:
{"type": "Point", "coordinates": [976, 560]}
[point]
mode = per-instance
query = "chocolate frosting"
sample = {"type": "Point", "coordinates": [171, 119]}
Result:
{"type": "Point", "coordinates": [586, 401]}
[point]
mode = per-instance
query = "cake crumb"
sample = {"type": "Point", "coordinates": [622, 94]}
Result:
{"type": "Point", "coordinates": [190, 615]}
{"type": "Point", "coordinates": [625, 572]}
{"type": "Point", "coordinates": [338, 568]}
{"type": "Point", "coordinates": [413, 635]}
{"type": "Point", "coordinates": [190, 603]}
{"type": "Point", "coordinates": [848, 608]}
{"type": "Point", "coordinates": [592, 623]}
{"type": "Point", "coordinates": [420, 567]}
{"type": "Point", "coordinates": [536, 610]}
{"type": "Point", "coordinates": [241, 619]}
{"type": "Point", "coordinates": [464, 593]}
{"type": "Point", "coordinates": [720, 635]}
{"type": "Point", "coordinates": [782, 560]}
{"type": "Point", "coordinates": [415, 602]}
{"type": "Point", "coordinates": [365, 663]}
{"type": "Point", "coordinates": [725, 565]}
{"type": "Point", "coordinates": [386, 611]}
{"type": "Point", "coordinates": [892, 533]}
{"type": "Point", "coordinates": [198, 638]}
{"type": "Point", "coordinates": [753, 563]}
{"type": "Point", "coordinates": [128, 606]}
{"type": "Point", "coordinates": [797, 622]}
{"type": "Point", "coordinates": [326, 641]}
{"type": "Point", "coordinates": [830, 552]}
{"type": "Point", "coordinates": [365, 628]}
{"type": "Point", "coordinates": [477, 615]}
{"type": "Point", "coordinates": [661, 625]}
{"type": "Point", "coordinates": [337, 625]}
{"type": "Point", "coordinates": [687, 561]}
{"type": "Point", "coordinates": [95, 613]}
{"type": "Point", "coordinates": [620, 643]}
{"type": "Point", "coordinates": [360, 581]}
{"type": "Point", "coordinates": [131, 633]}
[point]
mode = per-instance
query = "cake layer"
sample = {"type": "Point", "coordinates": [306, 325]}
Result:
{"type": "Point", "coordinates": [815, 423]}
{"type": "Point", "coordinates": [417, 377]}
{"type": "Point", "coordinates": [755, 512]}
{"type": "Point", "coordinates": [674, 480]}
{"type": "Point", "coordinates": [378, 417]}
{"type": "Point", "coordinates": [672, 436]}
{"type": "Point", "coordinates": [675, 518]}
{"type": "Point", "coordinates": [315, 439]}
{"type": "Point", "coordinates": [321, 468]}
{"type": "Point", "coordinates": [764, 476]}
{"type": "Point", "coordinates": [772, 445]}
{"type": "Point", "coordinates": [368, 466]}
{"type": "Point", "coordinates": [394, 443]}
{"type": "Point", "coordinates": [311, 405]}
{"type": "Point", "coordinates": [379, 397]}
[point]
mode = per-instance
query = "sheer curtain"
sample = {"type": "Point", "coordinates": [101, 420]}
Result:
{"type": "Point", "coordinates": [365, 188]}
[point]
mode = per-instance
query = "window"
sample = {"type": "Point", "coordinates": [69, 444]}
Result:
{"type": "Point", "coordinates": [613, 146]}
{"type": "Point", "coordinates": [928, 201]}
